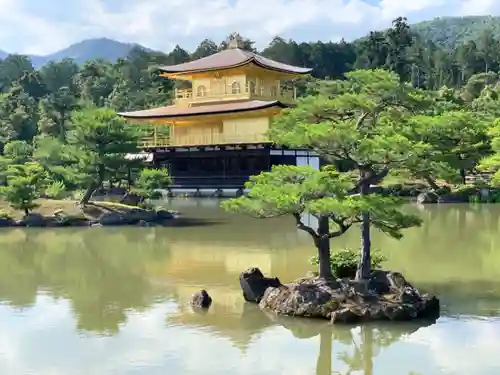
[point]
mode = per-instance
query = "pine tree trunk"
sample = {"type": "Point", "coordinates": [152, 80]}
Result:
{"type": "Point", "coordinates": [323, 246]}
{"type": "Point", "coordinates": [431, 183]}
{"type": "Point", "coordinates": [88, 194]}
{"type": "Point", "coordinates": [93, 186]}
{"type": "Point", "coordinates": [364, 266]}
{"type": "Point", "coordinates": [463, 176]}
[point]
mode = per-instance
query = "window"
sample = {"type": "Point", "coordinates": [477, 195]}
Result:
{"type": "Point", "coordinates": [274, 92]}
{"type": "Point", "coordinates": [201, 90]}
{"type": "Point", "coordinates": [235, 88]}
{"type": "Point", "coordinates": [251, 86]}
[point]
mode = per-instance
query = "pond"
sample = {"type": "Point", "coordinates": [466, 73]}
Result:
{"type": "Point", "coordinates": [115, 301]}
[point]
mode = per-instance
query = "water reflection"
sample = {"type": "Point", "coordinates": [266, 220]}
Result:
{"type": "Point", "coordinates": [101, 275]}
{"type": "Point", "coordinates": [117, 300]}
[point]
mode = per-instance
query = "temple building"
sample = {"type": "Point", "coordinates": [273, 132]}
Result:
{"type": "Point", "coordinates": [217, 128]}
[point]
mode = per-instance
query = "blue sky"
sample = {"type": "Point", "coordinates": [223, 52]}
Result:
{"type": "Point", "coordinates": [45, 26]}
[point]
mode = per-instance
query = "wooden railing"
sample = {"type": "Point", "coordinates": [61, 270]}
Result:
{"type": "Point", "coordinates": [202, 140]}
{"type": "Point", "coordinates": [230, 93]}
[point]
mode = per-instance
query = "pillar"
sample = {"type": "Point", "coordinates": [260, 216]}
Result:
{"type": "Point", "coordinates": [311, 159]}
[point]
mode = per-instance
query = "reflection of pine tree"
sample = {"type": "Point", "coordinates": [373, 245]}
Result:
{"type": "Point", "coordinates": [364, 347]}
{"type": "Point", "coordinates": [102, 274]}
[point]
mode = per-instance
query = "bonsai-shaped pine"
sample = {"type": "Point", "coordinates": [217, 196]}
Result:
{"type": "Point", "coordinates": [98, 144]}
{"type": "Point", "coordinates": [326, 194]}
{"type": "Point", "coordinates": [364, 122]}
{"type": "Point", "coordinates": [149, 181]}
{"type": "Point", "coordinates": [24, 184]}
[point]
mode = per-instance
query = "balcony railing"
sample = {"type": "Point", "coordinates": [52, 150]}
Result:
{"type": "Point", "coordinates": [201, 140]}
{"type": "Point", "coordinates": [235, 93]}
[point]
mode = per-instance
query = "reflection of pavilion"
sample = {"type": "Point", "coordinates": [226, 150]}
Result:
{"type": "Point", "coordinates": [240, 327]}
{"type": "Point", "coordinates": [217, 269]}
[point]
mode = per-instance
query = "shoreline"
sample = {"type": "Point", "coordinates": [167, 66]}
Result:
{"type": "Point", "coordinates": [67, 213]}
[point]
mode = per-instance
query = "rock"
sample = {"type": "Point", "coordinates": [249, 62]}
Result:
{"type": "Point", "coordinates": [427, 197]}
{"type": "Point", "coordinates": [345, 315]}
{"type": "Point", "coordinates": [166, 215]}
{"type": "Point", "coordinates": [131, 199]}
{"type": "Point", "coordinates": [384, 296]}
{"type": "Point", "coordinates": [311, 274]}
{"type": "Point", "coordinates": [254, 284]}
{"type": "Point", "coordinates": [201, 300]}
{"type": "Point", "coordinates": [143, 223]}
{"type": "Point", "coordinates": [136, 215]}
{"type": "Point", "coordinates": [34, 220]}
{"type": "Point", "coordinates": [111, 218]}
{"type": "Point", "coordinates": [6, 222]}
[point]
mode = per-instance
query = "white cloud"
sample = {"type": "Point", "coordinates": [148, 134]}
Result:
{"type": "Point", "coordinates": [161, 24]}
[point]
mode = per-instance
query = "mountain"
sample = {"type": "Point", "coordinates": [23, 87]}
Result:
{"type": "Point", "coordinates": [89, 49]}
{"type": "Point", "coordinates": [452, 31]}
{"type": "Point", "coordinates": [446, 31]}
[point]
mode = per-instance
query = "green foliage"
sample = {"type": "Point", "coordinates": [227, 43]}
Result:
{"type": "Point", "coordinates": [455, 31]}
{"type": "Point", "coordinates": [5, 215]}
{"type": "Point", "coordinates": [56, 190]}
{"type": "Point", "coordinates": [24, 183]}
{"type": "Point", "coordinates": [456, 142]}
{"type": "Point", "coordinates": [151, 180]}
{"type": "Point", "coordinates": [295, 190]}
{"type": "Point", "coordinates": [18, 152]}
{"type": "Point", "coordinates": [98, 146]}
{"type": "Point", "coordinates": [344, 262]}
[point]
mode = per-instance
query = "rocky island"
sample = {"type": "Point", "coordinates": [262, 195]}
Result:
{"type": "Point", "coordinates": [383, 296]}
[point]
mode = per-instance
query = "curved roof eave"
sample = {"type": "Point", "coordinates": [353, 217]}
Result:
{"type": "Point", "coordinates": [138, 116]}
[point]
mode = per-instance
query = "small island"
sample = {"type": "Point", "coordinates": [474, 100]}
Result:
{"type": "Point", "coordinates": [59, 180]}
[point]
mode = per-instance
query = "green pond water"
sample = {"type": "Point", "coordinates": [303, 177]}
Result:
{"type": "Point", "coordinates": [115, 301]}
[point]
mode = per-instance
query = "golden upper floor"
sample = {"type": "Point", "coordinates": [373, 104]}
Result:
{"type": "Point", "coordinates": [233, 74]}
{"type": "Point", "coordinates": [231, 88]}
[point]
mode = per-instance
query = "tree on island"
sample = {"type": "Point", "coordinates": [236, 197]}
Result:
{"type": "Point", "coordinates": [98, 144]}
{"type": "Point", "coordinates": [325, 194]}
{"type": "Point", "coordinates": [363, 121]}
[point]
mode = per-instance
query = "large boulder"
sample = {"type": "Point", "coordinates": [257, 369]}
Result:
{"type": "Point", "coordinates": [384, 296]}
{"type": "Point", "coordinates": [111, 218]}
{"type": "Point", "coordinates": [254, 284]}
{"type": "Point", "coordinates": [138, 214]}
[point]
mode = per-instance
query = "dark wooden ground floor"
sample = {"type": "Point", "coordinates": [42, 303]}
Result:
{"type": "Point", "coordinates": [224, 167]}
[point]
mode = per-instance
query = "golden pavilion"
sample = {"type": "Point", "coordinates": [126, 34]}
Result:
{"type": "Point", "coordinates": [217, 128]}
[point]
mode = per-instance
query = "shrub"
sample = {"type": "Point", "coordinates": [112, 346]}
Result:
{"type": "Point", "coordinates": [24, 183]}
{"type": "Point", "coordinates": [56, 190]}
{"type": "Point", "coordinates": [344, 262]}
{"type": "Point", "coordinates": [151, 180]}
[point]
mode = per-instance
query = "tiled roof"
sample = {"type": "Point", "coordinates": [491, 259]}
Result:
{"type": "Point", "coordinates": [231, 58]}
{"type": "Point", "coordinates": [175, 111]}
